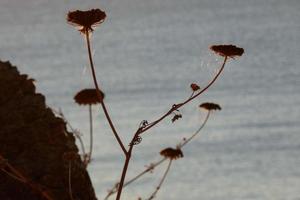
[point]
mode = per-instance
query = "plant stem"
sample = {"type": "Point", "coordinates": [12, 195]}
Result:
{"type": "Point", "coordinates": [91, 133]}
{"type": "Point", "coordinates": [151, 166]}
{"type": "Point", "coordinates": [70, 181]}
{"type": "Point", "coordinates": [199, 129]}
{"type": "Point", "coordinates": [99, 94]}
{"type": "Point", "coordinates": [177, 106]}
{"type": "Point", "coordinates": [124, 171]}
{"type": "Point", "coordinates": [161, 181]}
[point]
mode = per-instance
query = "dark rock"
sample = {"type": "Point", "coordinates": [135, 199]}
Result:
{"type": "Point", "coordinates": [33, 140]}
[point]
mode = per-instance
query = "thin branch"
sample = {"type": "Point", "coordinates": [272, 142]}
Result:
{"type": "Point", "coordinates": [14, 176]}
{"type": "Point", "coordinates": [148, 169]}
{"type": "Point", "coordinates": [91, 134]}
{"type": "Point", "coordinates": [152, 166]}
{"type": "Point", "coordinates": [143, 129]}
{"type": "Point", "coordinates": [185, 141]}
{"type": "Point", "coordinates": [99, 94]}
{"type": "Point", "coordinates": [177, 106]}
{"type": "Point", "coordinates": [161, 181]}
{"type": "Point", "coordinates": [70, 181]}
{"type": "Point", "coordinates": [74, 131]}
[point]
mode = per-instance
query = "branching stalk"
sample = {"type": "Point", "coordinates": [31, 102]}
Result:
{"type": "Point", "coordinates": [128, 157]}
{"type": "Point", "coordinates": [99, 94]}
{"type": "Point", "coordinates": [150, 125]}
{"type": "Point", "coordinates": [148, 169]}
{"type": "Point", "coordinates": [177, 106]}
{"type": "Point", "coordinates": [152, 166]}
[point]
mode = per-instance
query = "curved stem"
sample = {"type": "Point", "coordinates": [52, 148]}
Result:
{"type": "Point", "coordinates": [161, 181]}
{"type": "Point", "coordinates": [99, 94]}
{"type": "Point", "coordinates": [70, 181]}
{"type": "Point", "coordinates": [177, 106]}
{"type": "Point", "coordinates": [199, 129]}
{"type": "Point", "coordinates": [81, 144]}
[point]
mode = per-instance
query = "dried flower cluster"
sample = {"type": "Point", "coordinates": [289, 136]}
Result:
{"type": "Point", "coordinates": [210, 106]}
{"type": "Point", "coordinates": [88, 97]}
{"type": "Point", "coordinates": [171, 153]}
{"type": "Point", "coordinates": [227, 50]}
{"type": "Point", "coordinates": [85, 20]}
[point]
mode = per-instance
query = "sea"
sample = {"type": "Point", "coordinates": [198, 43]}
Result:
{"type": "Point", "coordinates": [146, 54]}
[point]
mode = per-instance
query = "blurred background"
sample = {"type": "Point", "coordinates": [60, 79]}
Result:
{"type": "Point", "coordinates": [147, 53]}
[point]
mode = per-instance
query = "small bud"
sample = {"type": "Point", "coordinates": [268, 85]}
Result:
{"type": "Point", "coordinates": [195, 87]}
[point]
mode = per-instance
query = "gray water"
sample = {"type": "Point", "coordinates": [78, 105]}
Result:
{"type": "Point", "coordinates": [147, 53]}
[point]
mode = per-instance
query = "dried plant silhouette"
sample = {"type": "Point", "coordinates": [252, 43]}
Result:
{"type": "Point", "coordinates": [69, 157]}
{"type": "Point", "coordinates": [86, 21]}
{"type": "Point", "coordinates": [169, 153]}
{"type": "Point", "coordinates": [89, 97]}
{"type": "Point", "coordinates": [153, 195]}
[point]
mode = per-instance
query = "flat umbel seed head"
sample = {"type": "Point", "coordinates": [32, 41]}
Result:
{"type": "Point", "coordinates": [85, 20]}
{"type": "Point", "coordinates": [88, 97]}
{"type": "Point", "coordinates": [227, 50]}
{"type": "Point", "coordinates": [171, 153]}
{"type": "Point", "coordinates": [210, 106]}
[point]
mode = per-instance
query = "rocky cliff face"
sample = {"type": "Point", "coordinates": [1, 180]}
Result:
{"type": "Point", "coordinates": [36, 143]}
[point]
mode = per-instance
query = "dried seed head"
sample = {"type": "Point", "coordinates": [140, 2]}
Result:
{"type": "Point", "coordinates": [227, 50]}
{"type": "Point", "coordinates": [210, 106]}
{"type": "Point", "coordinates": [85, 20]}
{"type": "Point", "coordinates": [171, 153]}
{"type": "Point", "coordinates": [88, 97]}
{"type": "Point", "coordinates": [195, 87]}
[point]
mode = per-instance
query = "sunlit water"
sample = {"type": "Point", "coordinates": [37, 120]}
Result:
{"type": "Point", "coordinates": [147, 53]}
